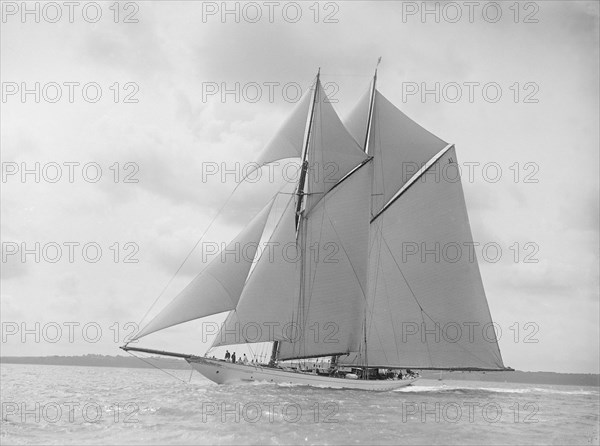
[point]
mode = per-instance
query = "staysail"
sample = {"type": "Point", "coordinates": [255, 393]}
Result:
{"type": "Point", "coordinates": [218, 286]}
{"type": "Point", "coordinates": [264, 312]}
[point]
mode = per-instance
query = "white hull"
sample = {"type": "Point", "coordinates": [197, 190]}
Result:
{"type": "Point", "coordinates": [227, 373]}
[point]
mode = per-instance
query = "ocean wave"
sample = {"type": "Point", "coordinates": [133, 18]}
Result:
{"type": "Point", "coordinates": [471, 390]}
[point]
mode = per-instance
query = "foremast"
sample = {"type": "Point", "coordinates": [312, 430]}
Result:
{"type": "Point", "coordinates": [300, 218]}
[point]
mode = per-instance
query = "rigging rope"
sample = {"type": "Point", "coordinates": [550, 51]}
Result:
{"type": "Point", "coordinates": [158, 368]}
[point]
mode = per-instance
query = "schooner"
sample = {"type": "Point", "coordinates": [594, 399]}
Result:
{"type": "Point", "coordinates": [387, 195]}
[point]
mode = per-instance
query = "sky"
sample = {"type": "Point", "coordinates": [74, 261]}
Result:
{"type": "Point", "coordinates": [517, 93]}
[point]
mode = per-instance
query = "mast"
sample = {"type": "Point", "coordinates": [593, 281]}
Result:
{"type": "Point", "coordinates": [371, 104]}
{"type": "Point", "coordinates": [369, 119]}
{"type": "Point", "coordinates": [300, 227]}
{"type": "Point", "coordinates": [300, 219]}
{"type": "Point", "coordinates": [304, 171]}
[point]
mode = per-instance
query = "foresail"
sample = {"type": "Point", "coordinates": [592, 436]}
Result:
{"type": "Point", "coordinates": [330, 319]}
{"type": "Point", "coordinates": [426, 303]}
{"type": "Point", "coordinates": [218, 287]}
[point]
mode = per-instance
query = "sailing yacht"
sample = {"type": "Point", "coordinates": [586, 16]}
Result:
{"type": "Point", "coordinates": [385, 292]}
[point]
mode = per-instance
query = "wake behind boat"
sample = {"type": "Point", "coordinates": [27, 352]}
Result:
{"type": "Point", "coordinates": [381, 280]}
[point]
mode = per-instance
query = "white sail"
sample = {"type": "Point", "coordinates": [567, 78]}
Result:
{"type": "Point", "coordinates": [331, 317]}
{"type": "Point", "coordinates": [265, 308]}
{"type": "Point", "coordinates": [218, 287]}
{"type": "Point", "coordinates": [287, 142]}
{"type": "Point", "coordinates": [426, 303]}
{"type": "Point", "coordinates": [333, 152]}
{"type": "Point", "coordinates": [399, 145]}
{"type": "Point", "coordinates": [357, 119]}
{"type": "Point", "coordinates": [329, 320]}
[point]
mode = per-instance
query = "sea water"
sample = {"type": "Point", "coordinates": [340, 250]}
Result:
{"type": "Point", "coordinates": [101, 405]}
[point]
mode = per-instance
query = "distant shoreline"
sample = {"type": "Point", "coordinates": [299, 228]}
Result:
{"type": "Point", "coordinates": [573, 379]}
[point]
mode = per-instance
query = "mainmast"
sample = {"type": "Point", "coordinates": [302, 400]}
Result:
{"type": "Point", "coordinates": [366, 147]}
{"type": "Point", "coordinates": [300, 193]}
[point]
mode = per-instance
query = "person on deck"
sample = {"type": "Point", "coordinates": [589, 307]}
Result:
{"type": "Point", "coordinates": [245, 359]}
{"type": "Point", "coordinates": [227, 356]}
{"type": "Point", "coordinates": [233, 357]}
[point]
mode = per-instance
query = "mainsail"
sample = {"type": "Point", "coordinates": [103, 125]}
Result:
{"type": "Point", "coordinates": [426, 306]}
{"type": "Point", "coordinates": [426, 303]}
{"type": "Point", "coordinates": [372, 258]}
